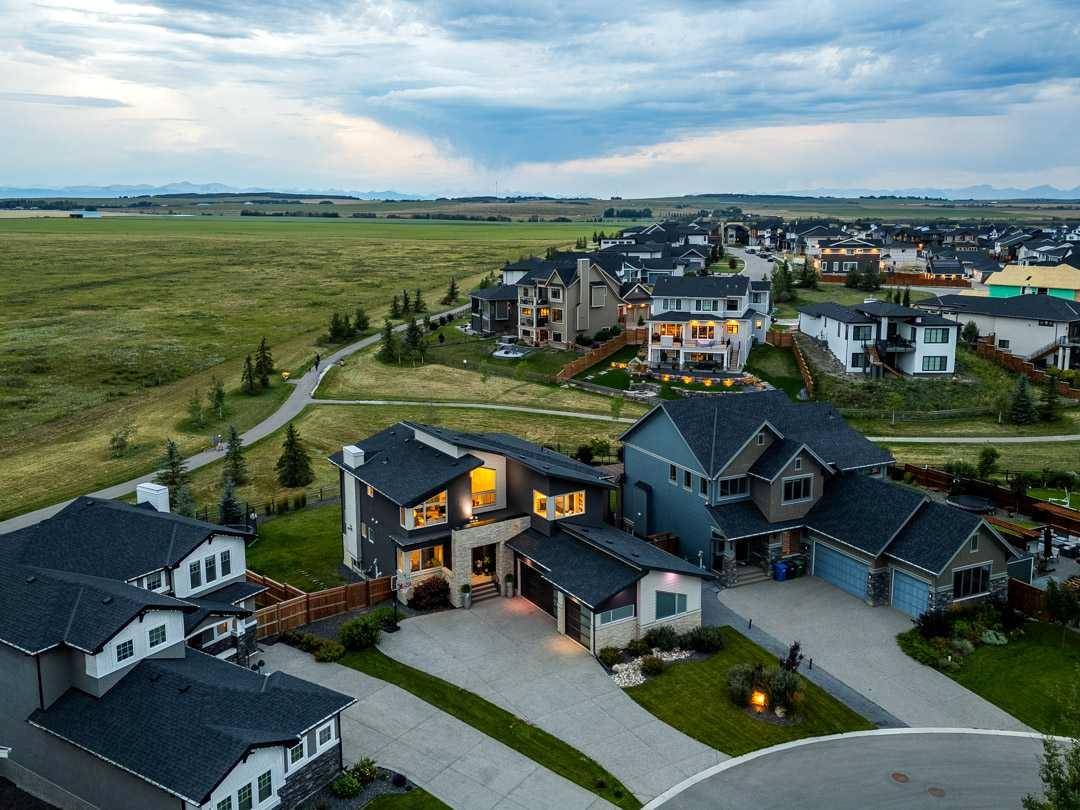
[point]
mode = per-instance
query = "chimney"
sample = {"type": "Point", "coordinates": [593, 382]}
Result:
{"type": "Point", "coordinates": [154, 494]}
{"type": "Point", "coordinates": [352, 455]}
{"type": "Point", "coordinates": [583, 268]}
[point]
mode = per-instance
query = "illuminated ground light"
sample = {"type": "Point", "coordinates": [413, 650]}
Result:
{"type": "Point", "coordinates": [728, 382]}
{"type": "Point", "coordinates": [758, 700]}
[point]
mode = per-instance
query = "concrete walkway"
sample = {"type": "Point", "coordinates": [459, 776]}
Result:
{"type": "Point", "coordinates": [450, 759]}
{"type": "Point", "coordinates": [857, 644]}
{"type": "Point", "coordinates": [507, 651]}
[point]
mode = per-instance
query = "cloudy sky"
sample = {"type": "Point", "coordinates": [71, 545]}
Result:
{"type": "Point", "coordinates": [599, 98]}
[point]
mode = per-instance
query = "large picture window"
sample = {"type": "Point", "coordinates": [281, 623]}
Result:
{"type": "Point", "coordinates": [616, 614]}
{"type": "Point", "coordinates": [798, 489]}
{"type": "Point", "coordinates": [424, 559]}
{"type": "Point", "coordinates": [482, 481]}
{"type": "Point", "coordinates": [431, 512]}
{"type": "Point", "coordinates": [862, 332]}
{"type": "Point", "coordinates": [936, 335]}
{"type": "Point", "coordinates": [971, 581]}
{"type": "Point", "coordinates": [669, 604]}
{"type": "Point", "coordinates": [570, 504]}
{"type": "Point", "coordinates": [703, 331]}
{"type": "Point", "coordinates": [732, 487]}
{"type": "Point", "coordinates": [934, 363]}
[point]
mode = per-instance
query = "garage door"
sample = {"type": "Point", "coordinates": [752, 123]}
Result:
{"type": "Point", "coordinates": [537, 590]}
{"type": "Point", "coordinates": [840, 570]}
{"type": "Point", "coordinates": [909, 594]}
{"type": "Point", "coordinates": [577, 621]}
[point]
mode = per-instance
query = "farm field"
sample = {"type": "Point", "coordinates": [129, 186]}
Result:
{"type": "Point", "coordinates": [116, 322]}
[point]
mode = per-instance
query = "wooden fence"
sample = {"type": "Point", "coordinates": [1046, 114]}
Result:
{"type": "Point", "coordinates": [900, 279]}
{"type": "Point", "coordinates": [804, 367]}
{"type": "Point", "coordinates": [986, 348]}
{"type": "Point", "coordinates": [298, 608]}
{"type": "Point", "coordinates": [1028, 599]}
{"type": "Point", "coordinates": [628, 337]}
{"type": "Point", "coordinates": [779, 338]}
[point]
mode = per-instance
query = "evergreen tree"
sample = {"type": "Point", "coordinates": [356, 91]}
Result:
{"type": "Point", "coordinates": [294, 465]}
{"type": "Point", "coordinates": [406, 304]}
{"type": "Point", "coordinates": [247, 378]}
{"type": "Point", "coordinates": [389, 347]}
{"type": "Point", "coordinates": [451, 292]}
{"type": "Point", "coordinates": [361, 322]}
{"type": "Point", "coordinates": [907, 296]}
{"type": "Point", "coordinates": [808, 277]}
{"type": "Point", "coordinates": [970, 333]}
{"type": "Point", "coordinates": [171, 471]}
{"type": "Point", "coordinates": [395, 308]}
{"type": "Point", "coordinates": [1022, 409]}
{"type": "Point", "coordinates": [196, 412]}
{"type": "Point", "coordinates": [871, 278]}
{"type": "Point", "coordinates": [264, 364]}
{"type": "Point", "coordinates": [333, 331]}
{"type": "Point", "coordinates": [419, 306]}
{"type": "Point", "coordinates": [781, 283]}
{"type": "Point", "coordinates": [183, 503]}
{"type": "Point", "coordinates": [217, 397]}
{"type": "Point", "coordinates": [852, 279]}
{"type": "Point", "coordinates": [229, 511]}
{"type": "Point", "coordinates": [235, 465]}
{"type": "Point", "coordinates": [414, 341]}
{"type": "Point", "coordinates": [1051, 405]}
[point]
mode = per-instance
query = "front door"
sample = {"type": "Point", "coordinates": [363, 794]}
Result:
{"type": "Point", "coordinates": [483, 563]}
{"type": "Point", "coordinates": [742, 551]}
{"type": "Point", "coordinates": [577, 621]}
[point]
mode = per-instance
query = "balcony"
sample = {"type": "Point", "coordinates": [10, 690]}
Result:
{"type": "Point", "coordinates": [895, 344]}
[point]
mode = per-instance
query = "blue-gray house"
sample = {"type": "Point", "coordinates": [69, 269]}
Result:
{"type": "Point", "coordinates": [745, 479]}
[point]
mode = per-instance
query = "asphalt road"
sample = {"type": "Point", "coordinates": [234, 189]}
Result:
{"type": "Point", "coordinates": [907, 768]}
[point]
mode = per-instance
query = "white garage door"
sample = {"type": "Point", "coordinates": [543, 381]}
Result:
{"type": "Point", "coordinates": [909, 595]}
{"type": "Point", "coordinates": [840, 570]}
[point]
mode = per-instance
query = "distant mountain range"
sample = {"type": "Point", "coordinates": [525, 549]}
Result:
{"type": "Point", "coordinates": [983, 192]}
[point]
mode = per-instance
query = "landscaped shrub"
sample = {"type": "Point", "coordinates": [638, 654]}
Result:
{"type": "Point", "coordinates": [431, 594]}
{"type": "Point", "coordinates": [651, 665]}
{"type": "Point", "coordinates": [638, 647]}
{"type": "Point", "coordinates": [346, 786]}
{"type": "Point", "coordinates": [934, 623]}
{"type": "Point", "coordinates": [963, 646]}
{"type": "Point", "coordinates": [384, 616]}
{"type": "Point", "coordinates": [398, 780]}
{"type": "Point", "coordinates": [290, 637]}
{"type": "Point", "coordinates": [329, 651]}
{"type": "Point", "coordinates": [663, 638]}
{"type": "Point", "coordinates": [964, 629]}
{"type": "Point", "coordinates": [781, 685]}
{"type": "Point", "coordinates": [919, 647]}
{"type": "Point", "coordinates": [1009, 619]}
{"type": "Point", "coordinates": [703, 639]}
{"type": "Point", "coordinates": [610, 656]}
{"type": "Point", "coordinates": [360, 633]}
{"type": "Point", "coordinates": [310, 643]}
{"type": "Point", "coordinates": [740, 683]}
{"type": "Point", "coordinates": [364, 770]}
{"type": "Point", "coordinates": [994, 638]}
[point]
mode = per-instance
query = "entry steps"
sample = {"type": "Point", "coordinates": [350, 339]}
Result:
{"type": "Point", "coordinates": [485, 591]}
{"type": "Point", "coordinates": [750, 574]}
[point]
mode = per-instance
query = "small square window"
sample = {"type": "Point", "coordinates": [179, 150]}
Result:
{"type": "Point", "coordinates": [125, 650]}
{"type": "Point", "coordinates": [296, 753]}
{"type": "Point", "coordinates": [158, 635]}
{"type": "Point", "coordinates": [326, 733]}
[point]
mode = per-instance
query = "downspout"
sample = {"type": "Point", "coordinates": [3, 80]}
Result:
{"type": "Point", "coordinates": [40, 687]}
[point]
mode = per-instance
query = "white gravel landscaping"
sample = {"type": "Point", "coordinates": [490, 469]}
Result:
{"type": "Point", "coordinates": [630, 674]}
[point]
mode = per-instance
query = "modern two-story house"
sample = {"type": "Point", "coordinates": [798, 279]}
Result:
{"type": "Point", "coordinates": [706, 322]}
{"type": "Point", "coordinates": [746, 479]}
{"type": "Point", "coordinates": [422, 501]}
{"type": "Point", "coordinates": [561, 299]}
{"type": "Point", "coordinates": [842, 256]}
{"type": "Point", "coordinates": [108, 700]}
{"type": "Point", "coordinates": [877, 335]}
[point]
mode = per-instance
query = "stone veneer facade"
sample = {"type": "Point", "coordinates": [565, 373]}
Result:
{"type": "Point", "coordinates": [618, 634]}
{"type": "Point", "coordinates": [463, 541]}
{"type": "Point", "coordinates": [680, 623]}
{"type": "Point", "coordinates": [310, 778]}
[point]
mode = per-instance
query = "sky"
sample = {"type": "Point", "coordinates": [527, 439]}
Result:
{"type": "Point", "coordinates": [579, 98]}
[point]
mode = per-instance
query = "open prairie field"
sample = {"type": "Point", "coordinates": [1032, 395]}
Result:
{"type": "Point", "coordinates": [117, 321]}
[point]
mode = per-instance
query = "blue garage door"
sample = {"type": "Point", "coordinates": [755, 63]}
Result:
{"type": "Point", "coordinates": [840, 570]}
{"type": "Point", "coordinates": [909, 594]}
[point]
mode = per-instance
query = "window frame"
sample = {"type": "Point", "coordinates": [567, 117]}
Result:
{"type": "Point", "coordinates": [688, 480]}
{"type": "Point", "coordinates": [703, 486]}
{"type": "Point", "coordinates": [862, 328]}
{"type": "Point", "coordinates": [793, 480]}
{"type": "Point", "coordinates": [943, 361]}
{"type": "Point", "coordinates": [679, 598]}
{"type": "Point", "coordinates": [935, 331]}
{"type": "Point", "coordinates": [968, 573]}
{"type": "Point", "coordinates": [155, 577]}
{"type": "Point", "coordinates": [241, 802]}
{"type": "Point", "coordinates": [743, 489]}
{"type": "Point", "coordinates": [540, 504]}
{"type": "Point", "coordinates": [195, 574]}
{"type": "Point", "coordinates": [296, 760]}
{"type": "Point", "coordinates": [673, 474]}
{"type": "Point", "coordinates": [575, 504]}
{"type": "Point", "coordinates": [150, 636]}
{"type": "Point", "coordinates": [268, 776]}
{"type": "Point", "coordinates": [210, 569]}
{"type": "Point", "coordinates": [439, 499]}
{"type": "Point", "coordinates": [225, 564]}
{"type": "Point", "coordinates": [224, 804]}
{"type": "Point", "coordinates": [973, 544]}
{"type": "Point", "coordinates": [611, 616]}
{"type": "Point", "coordinates": [129, 646]}
{"type": "Point", "coordinates": [329, 729]}
{"type": "Point", "coordinates": [493, 492]}
{"type": "Point", "coordinates": [592, 297]}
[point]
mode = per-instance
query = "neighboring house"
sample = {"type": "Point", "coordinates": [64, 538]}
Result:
{"type": "Point", "coordinates": [1061, 281]}
{"type": "Point", "coordinates": [841, 256]}
{"type": "Point", "coordinates": [106, 700]}
{"type": "Point", "coordinates": [706, 322]}
{"type": "Point", "coordinates": [807, 239]}
{"type": "Point", "coordinates": [422, 502]}
{"type": "Point", "coordinates": [561, 299]}
{"type": "Point", "coordinates": [746, 479]}
{"type": "Point", "coordinates": [1041, 329]}
{"type": "Point", "coordinates": [901, 256]}
{"type": "Point", "coordinates": [875, 335]}
{"type": "Point", "coordinates": [943, 263]}
{"type": "Point", "coordinates": [493, 310]}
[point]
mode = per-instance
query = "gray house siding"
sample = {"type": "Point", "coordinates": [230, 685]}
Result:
{"type": "Point", "coordinates": [36, 751]}
{"type": "Point", "coordinates": [769, 497]}
{"type": "Point", "coordinates": [671, 507]}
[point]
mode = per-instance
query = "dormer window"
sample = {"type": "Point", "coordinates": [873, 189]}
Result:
{"type": "Point", "coordinates": [153, 582]}
{"type": "Point", "coordinates": [157, 635]}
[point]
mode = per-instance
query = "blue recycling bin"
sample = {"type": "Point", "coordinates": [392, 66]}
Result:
{"type": "Point", "coordinates": [779, 571]}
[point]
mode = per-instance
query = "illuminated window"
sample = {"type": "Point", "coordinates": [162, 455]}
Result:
{"type": "Point", "coordinates": [668, 329]}
{"type": "Point", "coordinates": [570, 504]}
{"type": "Point", "coordinates": [540, 504]}
{"type": "Point", "coordinates": [482, 480]}
{"type": "Point", "coordinates": [731, 327]}
{"type": "Point", "coordinates": [431, 512]}
{"type": "Point", "coordinates": [702, 331]}
{"type": "Point", "coordinates": [370, 491]}
{"type": "Point", "coordinates": [424, 559]}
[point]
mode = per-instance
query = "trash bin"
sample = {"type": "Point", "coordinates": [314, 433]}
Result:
{"type": "Point", "coordinates": [800, 566]}
{"type": "Point", "coordinates": [779, 571]}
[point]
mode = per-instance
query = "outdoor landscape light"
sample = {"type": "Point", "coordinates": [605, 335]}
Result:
{"type": "Point", "coordinates": [758, 700]}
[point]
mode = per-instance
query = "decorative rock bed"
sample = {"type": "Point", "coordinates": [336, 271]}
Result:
{"type": "Point", "coordinates": [382, 785]}
{"type": "Point", "coordinates": [629, 673]}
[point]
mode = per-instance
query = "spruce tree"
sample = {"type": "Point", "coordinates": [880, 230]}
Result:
{"type": "Point", "coordinates": [294, 465]}
{"type": "Point", "coordinates": [451, 292]}
{"type": "Point", "coordinates": [229, 511]}
{"type": "Point", "coordinates": [414, 341]}
{"type": "Point", "coordinates": [1051, 405]}
{"type": "Point", "coordinates": [247, 378]}
{"type": "Point", "coordinates": [419, 306]}
{"type": "Point", "coordinates": [389, 347]}
{"type": "Point", "coordinates": [171, 471]}
{"type": "Point", "coordinates": [907, 296]}
{"type": "Point", "coordinates": [183, 503]}
{"type": "Point", "coordinates": [235, 465]}
{"type": "Point", "coordinates": [1022, 409]}
{"type": "Point", "coordinates": [406, 303]}
{"type": "Point", "coordinates": [970, 333]}
{"type": "Point", "coordinates": [196, 412]}
{"type": "Point", "coordinates": [264, 364]}
{"type": "Point", "coordinates": [217, 397]}
{"type": "Point", "coordinates": [362, 322]}
{"type": "Point", "coordinates": [395, 308]}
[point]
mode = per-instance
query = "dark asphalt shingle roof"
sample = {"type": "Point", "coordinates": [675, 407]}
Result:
{"type": "Point", "coordinates": [222, 602]}
{"type": "Point", "coordinates": [933, 536]}
{"type": "Point", "coordinates": [500, 292]}
{"type": "Point", "coordinates": [838, 312]}
{"type": "Point", "coordinates": [714, 286]}
{"type": "Point", "coordinates": [1025, 307]}
{"type": "Point", "coordinates": [775, 458]}
{"type": "Point", "coordinates": [209, 712]}
{"type": "Point", "coordinates": [863, 512]}
{"type": "Point", "coordinates": [576, 567]}
{"type": "Point", "coordinates": [632, 549]}
{"type": "Point", "coordinates": [744, 519]}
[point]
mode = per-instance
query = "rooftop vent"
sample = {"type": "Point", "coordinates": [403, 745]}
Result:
{"type": "Point", "coordinates": [31, 579]}
{"type": "Point", "coordinates": [106, 600]}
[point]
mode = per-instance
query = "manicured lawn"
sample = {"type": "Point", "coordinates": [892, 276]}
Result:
{"type": "Point", "coordinates": [302, 548]}
{"type": "Point", "coordinates": [415, 799]}
{"type": "Point", "coordinates": [604, 374]}
{"type": "Point", "coordinates": [1032, 678]}
{"type": "Point", "coordinates": [1058, 495]}
{"type": "Point", "coordinates": [776, 366]}
{"type": "Point", "coordinates": [532, 742]}
{"type": "Point", "coordinates": [693, 698]}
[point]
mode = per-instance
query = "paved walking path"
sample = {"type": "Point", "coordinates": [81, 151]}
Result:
{"type": "Point", "coordinates": [1070, 437]}
{"type": "Point", "coordinates": [448, 758]}
{"type": "Point", "coordinates": [484, 406]}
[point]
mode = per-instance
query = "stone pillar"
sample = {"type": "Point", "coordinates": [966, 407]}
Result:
{"type": "Point", "coordinates": [560, 612]}
{"type": "Point", "coordinates": [877, 587]}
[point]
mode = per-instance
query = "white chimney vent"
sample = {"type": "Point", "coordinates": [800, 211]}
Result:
{"type": "Point", "coordinates": [352, 455]}
{"type": "Point", "coordinates": [156, 495]}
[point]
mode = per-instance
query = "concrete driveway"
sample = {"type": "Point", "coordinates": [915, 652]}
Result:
{"type": "Point", "coordinates": [450, 759]}
{"type": "Point", "coordinates": [508, 652]}
{"type": "Point", "coordinates": [909, 769]}
{"type": "Point", "coordinates": [857, 644]}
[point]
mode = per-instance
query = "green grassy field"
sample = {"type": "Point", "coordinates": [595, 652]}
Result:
{"type": "Point", "coordinates": [777, 367]}
{"type": "Point", "coordinates": [1028, 457]}
{"type": "Point", "coordinates": [692, 697]}
{"type": "Point", "coordinates": [415, 799]}
{"type": "Point", "coordinates": [837, 294]}
{"type": "Point", "coordinates": [117, 321]}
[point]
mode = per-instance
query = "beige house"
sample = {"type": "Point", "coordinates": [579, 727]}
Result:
{"type": "Point", "coordinates": [563, 298]}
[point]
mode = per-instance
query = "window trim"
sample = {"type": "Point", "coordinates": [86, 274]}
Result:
{"type": "Point", "coordinates": [269, 776]}
{"type": "Point", "coordinates": [942, 357]}
{"type": "Point", "coordinates": [703, 487]}
{"type": "Point", "coordinates": [294, 760]}
{"type": "Point", "coordinates": [673, 474]}
{"type": "Point", "coordinates": [612, 618]}
{"type": "Point", "coordinates": [159, 579]}
{"type": "Point", "coordinates": [329, 729]}
{"type": "Point", "coordinates": [128, 644]}
{"type": "Point", "coordinates": [677, 612]}
{"type": "Point", "coordinates": [240, 805]}
{"type": "Point", "coordinates": [688, 480]}
{"type": "Point", "coordinates": [745, 488]}
{"type": "Point", "coordinates": [784, 501]}
{"type": "Point", "coordinates": [989, 566]}
{"type": "Point", "coordinates": [150, 636]}
{"type": "Point", "coordinates": [225, 563]}
{"type": "Point", "coordinates": [210, 569]}
{"type": "Point", "coordinates": [973, 544]}
{"type": "Point", "coordinates": [195, 574]}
